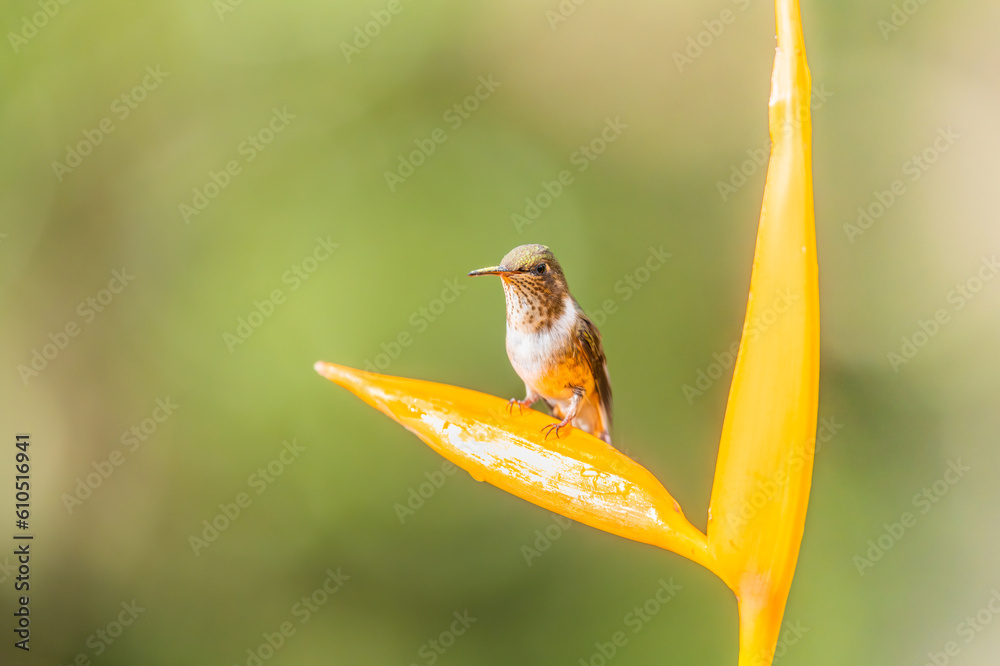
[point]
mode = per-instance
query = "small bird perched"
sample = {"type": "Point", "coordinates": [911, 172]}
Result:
{"type": "Point", "coordinates": [552, 344]}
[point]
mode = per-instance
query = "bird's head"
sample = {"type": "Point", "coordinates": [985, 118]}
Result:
{"type": "Point", "coordinates": [532, 278]}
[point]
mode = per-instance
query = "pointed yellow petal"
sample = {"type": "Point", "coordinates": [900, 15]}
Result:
{"type": "Point", "coordinates": [762, 480]}
{"type": "Point", "coordinates": [576, 474]}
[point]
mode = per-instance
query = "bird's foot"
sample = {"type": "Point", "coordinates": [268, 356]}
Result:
{"type": "Point", "coordinates": [555, 428]}
{"type": "Point", "coordinates": [520, 406]}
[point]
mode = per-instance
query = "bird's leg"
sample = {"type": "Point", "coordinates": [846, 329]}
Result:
{"type": "Point", "coordinates": [571, 412]}
{"type": "Point", "coordinates": [528, 401]}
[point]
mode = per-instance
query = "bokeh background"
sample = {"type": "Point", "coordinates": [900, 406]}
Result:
{"type": "Point", "coordinates": [228, 73]}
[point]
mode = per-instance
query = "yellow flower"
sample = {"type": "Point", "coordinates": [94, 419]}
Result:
{"type": "Point", "coordinates": [762, 479]}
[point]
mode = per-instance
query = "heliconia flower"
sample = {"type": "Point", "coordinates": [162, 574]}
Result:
{"type": "Point", "coordinates": [762, 479]}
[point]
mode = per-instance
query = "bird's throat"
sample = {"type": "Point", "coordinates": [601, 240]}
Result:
{"type": "Point", "coordinates": [531, 308]}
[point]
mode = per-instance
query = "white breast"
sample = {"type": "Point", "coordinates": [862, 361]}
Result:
{"type": "Point", "coordinates": [531, 352]}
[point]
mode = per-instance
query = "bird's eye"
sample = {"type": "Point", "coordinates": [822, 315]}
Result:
{"type": "Point", "coordinates": [539, 269]}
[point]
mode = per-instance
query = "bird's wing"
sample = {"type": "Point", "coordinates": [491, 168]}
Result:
{"type": "Point", "coordinates": [588, 340]}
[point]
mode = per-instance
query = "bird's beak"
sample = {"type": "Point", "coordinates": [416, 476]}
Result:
{"type": "Point", "coordinates": [492, 270]}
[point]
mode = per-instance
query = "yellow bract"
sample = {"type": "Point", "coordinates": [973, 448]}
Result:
{"type": "Point", "coordinates": [576, 474]}
{"type": "Point", "coordinates": [764, 469]}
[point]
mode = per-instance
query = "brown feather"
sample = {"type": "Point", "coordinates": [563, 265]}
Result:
{"type": "Point", "coordinates": [588, 339]}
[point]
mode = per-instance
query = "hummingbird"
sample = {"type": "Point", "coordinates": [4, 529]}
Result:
{"type": "Point", "coordinates": [552, 344]}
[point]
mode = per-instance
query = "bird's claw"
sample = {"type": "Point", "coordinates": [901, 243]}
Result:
{"type": "Point", "coordinates": [554, 428]}
{"type": "Point", "coordinates": [510, 406]}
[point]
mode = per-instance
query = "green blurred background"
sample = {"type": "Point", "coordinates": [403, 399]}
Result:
{"type": "Point", "coordinates": [222, 72]}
